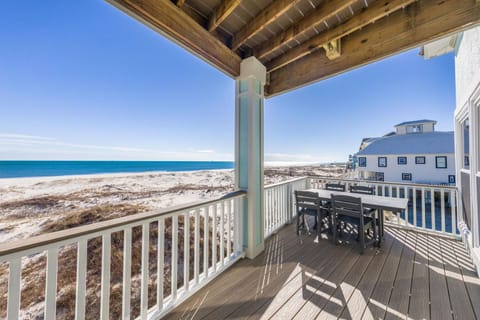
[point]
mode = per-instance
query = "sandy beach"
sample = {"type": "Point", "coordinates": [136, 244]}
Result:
{"type": "Point", "coordinates": [34, 206]}
{"type": "Point", "coordinates": [30, 205]}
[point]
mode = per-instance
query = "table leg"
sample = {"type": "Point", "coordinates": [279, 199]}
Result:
{"type": "Point", "coordinates": [380, 222]}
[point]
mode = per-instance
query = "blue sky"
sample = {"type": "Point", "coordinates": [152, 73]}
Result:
{"type": "Point", "coordinates": [82, 80]}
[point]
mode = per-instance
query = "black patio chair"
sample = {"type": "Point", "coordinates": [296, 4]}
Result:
{"type": "Point", "coordinates": [368, 191]}
{"type": "Point", "coordinates": [309, 204]}
{"type": "Point", "coordinates": [349, 210]}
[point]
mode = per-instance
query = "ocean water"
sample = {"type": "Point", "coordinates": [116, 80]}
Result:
{"type": "Point", "coordinates": [18, 169]}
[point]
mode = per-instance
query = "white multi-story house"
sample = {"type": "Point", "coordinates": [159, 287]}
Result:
{"type": "Point", "coordinates": [414, 153]}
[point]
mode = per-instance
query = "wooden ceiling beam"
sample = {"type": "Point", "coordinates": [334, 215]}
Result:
{"type": "Point", "coordinates": [313, 19]}
{"type": "Point", "coordinates": [166, 18]}
{"type": "Point", "coordinates": [221, 13]}
{"type": "Point", "coordinates": [421, 22]}
{"type": "Point", "coordinates": [374, 12]}
{"type": "Point", "coordinates": [264, 18]}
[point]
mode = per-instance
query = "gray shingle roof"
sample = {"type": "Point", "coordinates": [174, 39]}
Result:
{"type": "Point", "coordinates": [415, 122]}
{"type": "Point", "coordinates": [417, 143]}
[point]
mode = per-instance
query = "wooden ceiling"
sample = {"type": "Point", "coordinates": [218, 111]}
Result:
{"type": "Point", "coordinates": [301, 41]}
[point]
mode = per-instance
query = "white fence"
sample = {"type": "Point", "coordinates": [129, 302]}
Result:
{"type": "Point", "coordinates": [213, 243]}
{"type": "Point", "coordinates": [279, 204]}
{"type": "Point", "coordinates": [432, 208]}
{"type": "Point", "coordinates": [185, 261]}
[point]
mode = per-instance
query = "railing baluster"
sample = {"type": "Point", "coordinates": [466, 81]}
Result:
{"type": "Point", "coordinates": [160, 262]}
{"type": "Point", "coordinates": [127, 272]}
{"type": "Point", "coordinates": [214, 237]}
{"type": "Point", "coordinates": [144, 272]}
{"type": "Point", "coordinates": [196, 267]}
{"type": "Point", "coordinates": [222, 234]}
{"type": "Point", "coordinates": [442, 209]}
{"type": "Point", "coordinates": [105, 285]}
{"type": "Point", "coordinates": [81, 280]}
{"type": "Point", "coordinates": [414, 205]}
{"type": "Point", "coordinates": [174, 261]}
{"type": "Point", "coordinates": [432, 207]}
{"type": "Point", "coordinates": [51, 284]}
{"type": "Point", "coordinates": [186, 251]}
{"type": "Point", "coordinates": [14, 283]}
{"type": "Point", "coordinates": [423, 209]}
{"type": "Point", "coordinates": [268, 211]}
{"type": "Point", "coordinates": [238, 225]}
{"type": "Point", "coordinates": [229, 227]}
{"type": "Point", "coordinates": [206, 240]}
{"type": "Point", "coordinates": [453, 206]}
{"type": "Point", "coordinates": [284, 207]}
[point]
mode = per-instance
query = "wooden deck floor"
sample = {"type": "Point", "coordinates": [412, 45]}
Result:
{"type": "Point", "coordinates": [413, 275]}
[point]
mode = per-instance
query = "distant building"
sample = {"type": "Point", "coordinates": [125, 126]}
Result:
{"type": "Point", "coordinates": [414, 153]}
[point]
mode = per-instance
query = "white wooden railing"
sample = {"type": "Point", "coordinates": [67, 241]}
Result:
{"type": "Point", "coordinates": [279, 204]}
{"type": "Point", "coordinates": [432, 208]}
{"type": "Point", "coordinates": [442, 211]}
{"type": "Point", "coordinates": [214, 249]}
{"type": "Point", "coordinates": [213, 244]}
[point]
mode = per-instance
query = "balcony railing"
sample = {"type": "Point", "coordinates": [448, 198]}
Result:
{"type": "Point", "coordinates": [431, 208]}
{"type": "Point", "coordinates": [185, 261]}
{"type": "Point", "coordinates": [214, 230]}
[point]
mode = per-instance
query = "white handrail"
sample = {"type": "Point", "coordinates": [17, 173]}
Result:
{"type": "Point", "coordinates": [202, 215]}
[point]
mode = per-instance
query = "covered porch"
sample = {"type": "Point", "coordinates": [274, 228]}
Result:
{"type": "Point", "coordinates": [268, 48]}
{"type": "Point", "coordinates": [412, 276]}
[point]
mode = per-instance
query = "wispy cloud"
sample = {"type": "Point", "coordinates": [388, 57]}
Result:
{"type": "Point", "coordinates": [17, 146]}
{"type": "Point", "coordinates": [24, 137]}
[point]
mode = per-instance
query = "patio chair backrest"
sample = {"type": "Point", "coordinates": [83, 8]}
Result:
{"type": "Point", "coordinates": [335, 187]}
{"type": "Point", "coordinates": [306, 200]}
{"type": "Point", "coordinates": [347, 206]}
{"type": "Point", "coordinates": [362, 190]}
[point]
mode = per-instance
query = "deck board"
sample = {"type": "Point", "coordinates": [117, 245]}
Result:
{"type": "Point", "coordinates": [300, 278]}
{"type": "Point", "coordinates": [357, 304]}
{"type": "Point", "coordinates": [378, 302]}
{"type": "Point", "coordinates": [399, 298]}
{"type": "Point", "coordinates": [440, 307]}
{"type": "Point", "coordinates": [419, 307]}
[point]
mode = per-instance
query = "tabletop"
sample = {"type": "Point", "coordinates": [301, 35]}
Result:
{"type": "Point", "coordinates": [375, 202]}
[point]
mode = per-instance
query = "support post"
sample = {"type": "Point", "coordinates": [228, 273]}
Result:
{"type": "Point", "coordinates": [249, 99]}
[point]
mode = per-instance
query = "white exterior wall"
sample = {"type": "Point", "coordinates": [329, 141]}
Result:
{"type": "Point", "coordinates": [467, 81]}
{"type": "Point", "coordinates": [421, 173]}
{"type": "Point", "coordinates": [467, 66]}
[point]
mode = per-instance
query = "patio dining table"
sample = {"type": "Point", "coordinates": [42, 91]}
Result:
{"type": "Point", "coordinates": [396, 205]}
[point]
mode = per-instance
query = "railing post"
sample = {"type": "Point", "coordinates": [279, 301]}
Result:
{"type": "Point", "coordinates": [249, 151]}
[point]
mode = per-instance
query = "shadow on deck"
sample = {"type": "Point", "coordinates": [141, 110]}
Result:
{"type": "Point", "coordinates": [412, 274]}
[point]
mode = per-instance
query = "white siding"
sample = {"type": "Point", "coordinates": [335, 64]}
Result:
{"type": "Point", "coordinates": [467, 81]}
{"type": "Point", "coordinates": [467, 66]}
{"type": "Point", "coordinates": [421, 173]}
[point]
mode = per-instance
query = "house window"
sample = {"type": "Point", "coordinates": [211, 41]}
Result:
{"type": "Point", "coordinates": [441, 162]}
{"type": "Point", "coordinates": [379, 176]}
{"type": "Point", "coordinates": [419, 160]}
{"type": "Point", "coordinates": [407, 176]}
{"type": "Point", "coordinates": [451, 178]}
{"type": "Point", "coordinates": [402, 160]}
{"type": "Point", "coordinates": [362, 161]}
{"type": "Point", "coordinates": [382, 162]}
{"type": "Point", "coordinates": [415, 128]}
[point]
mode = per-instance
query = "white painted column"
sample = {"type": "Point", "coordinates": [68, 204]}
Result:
{"type": "Point", "coordinates": [249, 101]}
